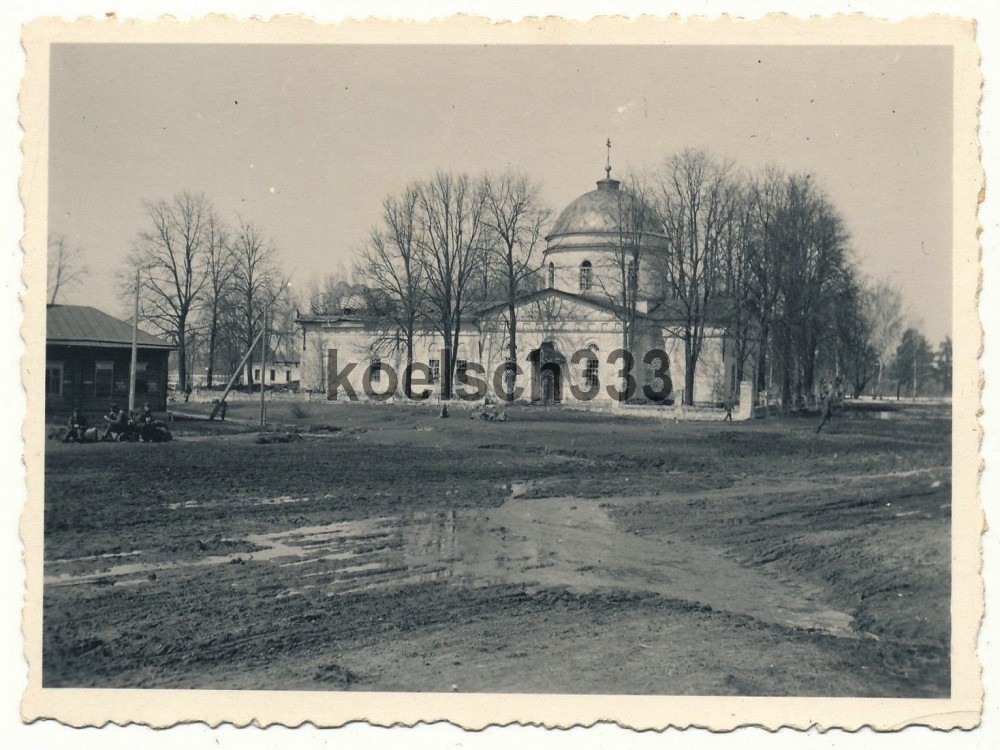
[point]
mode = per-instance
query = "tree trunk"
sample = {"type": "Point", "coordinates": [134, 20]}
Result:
{"type": "Point", "coordinates": [249, 366]}
{"type": "Point", "coordinates": [786, 370]}
{"type": "Point", "coordinates": [808, 371]}
{"type": "Point", "coordinates": [512, 349]}
{"type": "Point", "coordinates": [408, 372]}
{"type": "Point", "coordinates": [690, 362]}
{"type": "Point", "coordinates": [446, 356]}
{"type": "Point", "coordinates": [181, 354]}
{"type": "Point", "coordinates": [762, 361]}
{"type": "Point", "coordinates": [212, 336]}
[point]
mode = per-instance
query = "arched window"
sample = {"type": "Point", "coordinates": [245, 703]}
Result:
{"type": "Point", "coordinates": [586, 276]}
{"type": "Point", "coordinates": [591, 368]}
{"type": "Point", "coordinates": [552, 275]}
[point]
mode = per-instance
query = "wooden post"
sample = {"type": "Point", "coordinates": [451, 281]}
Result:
{"type": "Point", "coordinates": [135, 346]}
{"type": "Point", "coordinates": [263, 364]}
{"type": "Point", "coordinates": [235, 376]}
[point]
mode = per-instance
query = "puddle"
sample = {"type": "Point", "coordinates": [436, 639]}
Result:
{"type": "Point", "coordinates": [95, 558]}
{"type": "Point", "coordinates": [284, 500]}
{"type": "Point", "coordinates": [559, 542]}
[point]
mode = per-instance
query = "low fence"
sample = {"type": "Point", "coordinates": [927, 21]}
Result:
{"type": "Point", "coordinates": [675, 412]}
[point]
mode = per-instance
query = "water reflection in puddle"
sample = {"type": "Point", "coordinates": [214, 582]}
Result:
{"type": "Point", "coordinates": [564, 542]}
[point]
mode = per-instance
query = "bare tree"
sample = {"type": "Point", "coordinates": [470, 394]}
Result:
{"type": "Point", "coordinates": [765, 196]}
{"type": "Point", "coordinates": [65, 269]}
{"type": "Point", "coordinates": [855, 302]}
{"type": "Point", "coordinates": [813, 258]}
{"type": "Point", "coordinates": [280, 316]}
{"type": "Point", "coordinates": [738, 292]}
{"type": "Point", "coordinates": [943, 365]}
{"type": "Point", "coordinates": [255, 280]}
{"type": "Point", "coordinates": [515, 218]}
{"type": "Point", "coordinates": [451, 246]}
{"type": "Point", "coordinates": [886, 315]}
{"type": "Point", "coordinates": [698, 200]}
{"type": "Point", "coordinates": [170, 257]}
{"type": "Point", "coordinates": [220, 262]}
{"type": "Point", "coordinates": [391, 274]}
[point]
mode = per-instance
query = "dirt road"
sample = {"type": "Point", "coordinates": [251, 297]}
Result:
{"type": "Point", "coordinates": [558, 551]}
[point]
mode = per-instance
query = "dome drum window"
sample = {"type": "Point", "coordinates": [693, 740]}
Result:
{"type": "Point", "coordinates": [586, 276]}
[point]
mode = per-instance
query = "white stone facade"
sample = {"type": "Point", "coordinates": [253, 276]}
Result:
{"type": "Point", "coordinates": [566, 334]}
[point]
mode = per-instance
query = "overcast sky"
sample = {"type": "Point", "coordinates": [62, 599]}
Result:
{"type": "Point", "coordinates": [307, 140]}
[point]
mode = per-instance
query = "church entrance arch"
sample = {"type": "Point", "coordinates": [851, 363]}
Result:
{"type": "Point", "coordinates": [547, 364]}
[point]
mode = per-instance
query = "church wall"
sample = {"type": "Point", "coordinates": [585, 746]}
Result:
{"type": "Point", "coordinates": [599, 333]}
{"type": "Point", "coordinates": [486, 344]}
{"type": "Point", "coordinates": [351, 340]}
{"type": "Point", "coordinates": [357, 342]}
{"type": "Point", "coordinates": [713, 380]}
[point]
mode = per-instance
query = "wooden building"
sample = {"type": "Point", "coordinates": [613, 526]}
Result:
{"type": "Point", "coordinates": [88, 356]}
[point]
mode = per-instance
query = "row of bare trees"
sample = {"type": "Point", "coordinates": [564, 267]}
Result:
{"type": "Point", "coordinates": [443, 248]}
{"type": "Point", "coordinates": [766, 256]}
{"type": "Point", "coordinates": [203, 284]}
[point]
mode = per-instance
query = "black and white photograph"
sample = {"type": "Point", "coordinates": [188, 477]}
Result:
{"type": "Point", "coordinates": [568, 369]}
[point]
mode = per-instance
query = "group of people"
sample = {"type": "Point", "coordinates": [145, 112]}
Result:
{"type": "Point", "coordinates": [119, 425]}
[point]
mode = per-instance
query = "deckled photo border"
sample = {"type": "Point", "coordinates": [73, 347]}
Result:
{"type": "Point", "coordinates": [160, 708]}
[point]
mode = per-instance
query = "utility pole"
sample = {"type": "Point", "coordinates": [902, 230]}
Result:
{"type": "Point", "coordinates": [263, 362]}
{"type": "Point", "coordinates": [135, 346]}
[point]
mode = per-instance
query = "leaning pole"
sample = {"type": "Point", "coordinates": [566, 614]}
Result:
{"type": "Point", "coordinates": [236, 375]}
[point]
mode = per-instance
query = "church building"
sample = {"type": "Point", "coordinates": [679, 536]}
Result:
{"type": "Point", "coordinates": [568, 333]}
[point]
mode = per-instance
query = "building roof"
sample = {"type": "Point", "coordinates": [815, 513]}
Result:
{"type": "Point", "coordinates": [716, 312]}
{"type": "Point", "coordinates": [345, 315]}
{"type": "Point", "coordinates": [540, 294]}
{"type": "Point", "coordinates": [78, 325]}
{"type": "Point", "coordinates": [598, 212]}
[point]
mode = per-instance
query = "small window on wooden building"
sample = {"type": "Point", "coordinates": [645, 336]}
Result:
{"type": "Point", "coordinates": [104, 379]}
{"type": "Point", "coordinates": [53, 379]}
{"type": "Point", "coordinates": [141, 379]}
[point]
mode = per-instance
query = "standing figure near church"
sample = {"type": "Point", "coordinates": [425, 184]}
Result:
{"type": "Point", "coordinates": [728, 405]}
{"type": "Point", "coordinates": [828, 401]}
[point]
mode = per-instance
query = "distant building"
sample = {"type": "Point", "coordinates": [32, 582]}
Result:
{"type": "Point", "coordinates": [88, 356]}
{"type": "Point", "coordinates": [278, 373]}
{"type": "Point", "coordinates": [567, 333]}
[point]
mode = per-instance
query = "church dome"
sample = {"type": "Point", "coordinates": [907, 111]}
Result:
{"type": "Point", "coordinates": [594, 215]}
{"type": "Point", "coordinates": [585, 250]}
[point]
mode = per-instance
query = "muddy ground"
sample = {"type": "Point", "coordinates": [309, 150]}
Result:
{"type": "Point", "coordinates": [560, 551]}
